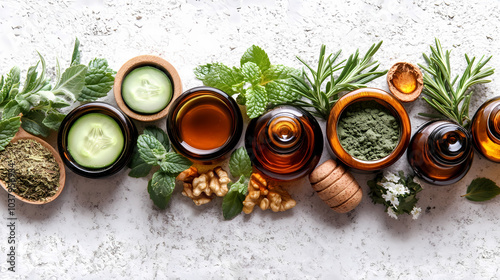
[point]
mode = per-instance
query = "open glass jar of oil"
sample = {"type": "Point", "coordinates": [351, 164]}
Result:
{"type": "Point", "coordinates": [285, 143]}
{"type": "Point", "coordinates": [486, 129]}
{"type": "Point", "coordinates": [204, 124]}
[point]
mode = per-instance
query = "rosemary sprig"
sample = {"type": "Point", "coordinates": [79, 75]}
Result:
{"type": "Point", "coordinates": [441, 93]}
{"type": "Point", "coordinates": [320, 102]}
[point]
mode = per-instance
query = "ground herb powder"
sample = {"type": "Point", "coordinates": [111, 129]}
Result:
{"type": "Point", "coordinates": [32, 167]}
{"type": "Point", "coordinates": [368, 131]}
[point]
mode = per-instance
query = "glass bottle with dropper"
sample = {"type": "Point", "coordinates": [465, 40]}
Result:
{"type": "Point", "coordinates": [285, 143]}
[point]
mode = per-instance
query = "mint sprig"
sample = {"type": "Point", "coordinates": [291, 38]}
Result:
{"type": "Point", "coordinates": [239, 166]}
{"type": "Point", "coordinates": [257, 83]}
{"type": "Point", "coordinates": [153, 149]}
{"type": "Point", "coordinates": [482, 189]}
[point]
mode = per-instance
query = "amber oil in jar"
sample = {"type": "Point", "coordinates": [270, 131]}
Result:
{"type": "Point", "coordinates": [486, 129]}
{"type": "Point", "coordinates": [285, 143]}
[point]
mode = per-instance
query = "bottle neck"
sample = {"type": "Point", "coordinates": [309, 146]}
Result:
{"type": "Point", "coordinates": [284, 133]}
{"type": "Point", "coordinates": [450, 144]}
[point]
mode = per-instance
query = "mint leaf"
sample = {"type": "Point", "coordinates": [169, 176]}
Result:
{"type": "Point", "coordinates": [159, 134]}
{"type": "Point", "coordinates": [220, 76]}
{"type": "Point", "coordinates": [280, 93]}
{"type": "Point", "coordinates": [240, 164]}
{"type": "Point", "coordinates": [75, 58]}
{"type": "Point", "coordinates": [150, 149]}
{"type": "Point", "coordinates": [11, 110]}
{"type": "Point", "coordinates": [99, 80]}
{"type": "Point", "coordinates": [258, 56]}
{"type": "Point", "coordinates": [232, 204]}
{"type": "Point", "coordinates": [71, 83]}
{"type": "Point", "coordinates": [53, 120]}
{"type": "Point", "coordinates": [278, 72]}
{"type": "Point", "coordinates": [161, 201]}
{"type": "Point", "coordinates": [482, 189]}
{"type": "Point", "coordinates": [33, 123]}
{"type": "Point", "coordinates": [139, 168]}
{"type": "Point", "coordinates": [175, 163]}
{"type": "Point", "coordinates": [163, 183]}
{"type": "Point", "coordinates": [257, 101]}
{"type": "Point", "coordinates": [8, 129]}
{"type": "Point", "coordinates": [251, 73]}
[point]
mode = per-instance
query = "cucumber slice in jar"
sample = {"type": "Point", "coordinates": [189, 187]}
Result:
{"type": "Point", "coordinates": [147, 90]}
{"type": "Point", "coordinates": [95, 140]}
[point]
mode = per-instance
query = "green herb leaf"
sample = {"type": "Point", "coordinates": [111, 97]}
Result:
{"type": "Point", "coordinates": [240, 164]}
{"type": "Point", "coordinates": [11, 110]}
{"type": "Point", "coordinates": [71, 83]}
{"type": "Point", "coordinates": [257, 101]}
{"type": "Point", "coordinates": [482, 189]}
{"type": "Point", "coordinates": [8, 129]}
{"type": "Point", "coordinates": [159, 134]}
{"type": "Point", "coordinates": [33, 123]}
{"type": "Point", "coordinates": [11, 81]}
{"type": "Point", "coordinates": [161, 201]}
{"type": "Point", "coordinates": [163, 183]}
{"type": "Point", "coordinates": [75, 58]}
{"type": "Point", "coordinates": [251, 73]}
{"type": "Point", "coordinates": [139, 168]}
{"type": "Point", "coordinates": [256, 55]}
{"type": "Point", "coordinates": [232, 204]}
{"type": "Point", "coordinates": [30, 81]}
{"type": "Point", "coordinates": [53, 120]}
{"type": "Point", "coordinates": [174, 163]}
{"type": "Point", "coordinates": [150, 149]}
{"type": "Point", "coordinates": [99, 80]}
{"type": "Point", "coordinates": [219, 76]}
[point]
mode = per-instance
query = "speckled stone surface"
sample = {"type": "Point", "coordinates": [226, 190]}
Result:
{"type": "Point", "coordinates": [109, 229]}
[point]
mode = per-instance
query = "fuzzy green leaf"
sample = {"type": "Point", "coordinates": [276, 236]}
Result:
{"type": "Point", "coordinates": [33, 123]}
{"type": "Point", "coordinates": [11, 81]}
{"type": "Point", "coordinates": [482, 189]}
{"type": "Point", "coordinates": [150, 149]}
{"type": "Point", "coordinates": [240, 164]}
{"type": "Point", "coordinates": [256, 55]}
{"type": "Point", "coordinates": [71, 83]}
{"type": "Point", "coordinates": [75, 58]}
{"type": "Point", "coordinates": [8, 129]}
{"type": "Point", "coordinates": [53, 120]}
{"type": "Point", "coordinates": [11, 110]}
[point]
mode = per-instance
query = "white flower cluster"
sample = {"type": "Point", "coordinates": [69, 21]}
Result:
{"type": "Point", "coordinates": [393, 191]}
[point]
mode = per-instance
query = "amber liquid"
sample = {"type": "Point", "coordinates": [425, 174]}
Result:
{"type": "Point", "coordinates": [486, 129]}
{"type": "Point", "coordinates": [205, 123]}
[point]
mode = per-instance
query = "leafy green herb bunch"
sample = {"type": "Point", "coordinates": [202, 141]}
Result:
{"type": "Point", "coordinates": [397, 193]}
{"type": "Point", "coordinates": [40, 101]}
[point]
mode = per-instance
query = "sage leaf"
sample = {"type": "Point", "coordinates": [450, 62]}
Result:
{"type": "Point", "coordinates": [482, 189]}
{"type": "Point", "coordinates": [53, 120]}
{"type": "Point", "coordinates": [99, 80]}
{"type": "Point", "coordinates": [174, 163]}
{"type": "Point", "coordinates": [11, 81]}
{"type": "Point", "coordinates": [8, 129]}
{"type": "Point", "coordinates": [11, 110]}
{"type": "Point", "coordinates": [161, 201]}
{"type": "Point", "coordinates": [33, 123]}
{"type": "Point", "coordinates": [232, 204]}
{"type": "Point", "coordinates": [71, 83]}
{"type": "Point", "coordinates": [75, 58]}
{"type": "Point", "coordinates": [30, 81]}
{"type": "Point", "coordinates": [240, 164]}
{"type": "Point", "coordinates": [256, 55]}
{"type": "Point", "coordinates": [159, 134]}
{"type": "Point", "coordinates": [150, 149]}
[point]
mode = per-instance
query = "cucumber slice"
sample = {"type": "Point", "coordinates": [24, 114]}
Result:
{"type": "Point", "coordinates": [95, 140]}
{"type": "Point", "coordinates": [147, 90]}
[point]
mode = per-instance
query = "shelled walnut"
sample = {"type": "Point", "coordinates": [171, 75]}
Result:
{"type": "Point", "coordinates": [202, 188]}
{"type": "Point", "coordinates": [266, 196]}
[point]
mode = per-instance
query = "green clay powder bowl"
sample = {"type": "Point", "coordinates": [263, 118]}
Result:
{"type": "Point", "coordinates": [96, 140]}
{"type": "Point", "coordinates": [377, 126]}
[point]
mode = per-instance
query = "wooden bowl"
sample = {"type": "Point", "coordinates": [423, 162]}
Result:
{"type": "Point", "coordinates": [405, 72]}
{"type": "Point", "coordinates": [22, 134]}
{"type": "Point", "coordinates": [146, 60]}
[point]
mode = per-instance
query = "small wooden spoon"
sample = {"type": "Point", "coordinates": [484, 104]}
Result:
{"type": "Point", "coordinates": [22, 134]}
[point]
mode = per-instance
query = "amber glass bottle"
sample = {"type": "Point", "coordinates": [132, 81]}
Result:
{"type": "Point", "coordinates": [285, 143]}
{"type": "Point", "coordinates": [441, 152]}
{"type": "Point", "coordinates": [486, 129]}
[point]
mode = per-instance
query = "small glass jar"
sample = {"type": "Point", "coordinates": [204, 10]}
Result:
{"type": "Point", "coordinates": [146, 61]}
{"type": "Point", "coordinates": [441, 152]}
{"type": "Point", "coordinates": [388, 102]}
{"type": "Point", "coordinates": [486, 129]}
{"type": "Point", "coordinates": [127, 128]}
{"type": "Point", "coordinates": [285, 143]}
{"type": "Point", "coordinates": [204, 124]}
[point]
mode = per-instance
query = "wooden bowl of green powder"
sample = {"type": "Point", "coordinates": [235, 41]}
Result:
{"type": "Point", "coordinates": [368, 129]}
{"type": "Point", "coordinates": [31, 170]}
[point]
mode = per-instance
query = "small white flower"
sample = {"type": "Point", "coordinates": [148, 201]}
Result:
{"type": "Point", "coordinates": [390, 197]}
{"type": "Point", "coordinates": [416, 212]}
{"type": "Point", "coordinates": [391, 177]}
{"type": "Point", "coordinates": [400, 189]}
{"type": "Point", "coordinates": [389, 186]}
{"type": "Point", "coordinates": [391, 213]}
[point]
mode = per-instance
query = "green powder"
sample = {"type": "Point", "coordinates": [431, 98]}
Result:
{"type": "Point", "coordinates": [368, 131]}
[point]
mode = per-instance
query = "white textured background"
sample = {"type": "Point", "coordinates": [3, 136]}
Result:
{"type": "Point", "coordinates": [105, 229]}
